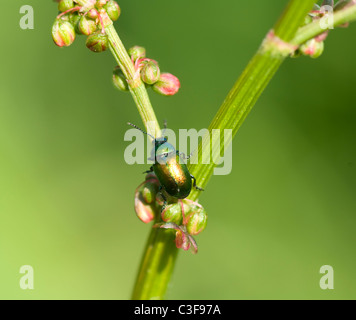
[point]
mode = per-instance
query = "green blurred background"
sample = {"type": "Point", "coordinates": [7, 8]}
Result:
{"type": "Point", "coordinates": [66, 194]}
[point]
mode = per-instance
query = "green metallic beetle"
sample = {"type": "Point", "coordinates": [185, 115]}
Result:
{"type": "Point", "coordinates": [172, 173]}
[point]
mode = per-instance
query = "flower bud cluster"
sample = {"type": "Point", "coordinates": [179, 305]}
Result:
{"type": "Point", "coordinates": [84, 17]}
{"type": "Point", "coordinates": [186, 217]}
{"type": "Point", "coordinates": [148, 70]}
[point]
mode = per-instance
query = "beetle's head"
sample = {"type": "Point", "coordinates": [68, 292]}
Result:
{"type": "Point", "coordinates": [159, 141]}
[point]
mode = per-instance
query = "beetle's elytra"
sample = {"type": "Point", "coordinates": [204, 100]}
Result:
{"type": "Point", "coordinates": [172, 174]}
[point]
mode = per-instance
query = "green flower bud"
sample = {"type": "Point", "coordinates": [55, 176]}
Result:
{"type": "Point", "coordinates": [113, 10]}
{"type": "Point", "coordinates": [145, 196]}
{"type": "Point", "coordinates": [150, 71]}
{"type": "Point", "coordinates": [63, 33]}
{"type": "Point", "coordinates": [97, 42]}
{"type": "Point", "coordinates": [312, 48]}
{"type": "Point", "coordinates": [65, 5]}
{"type": "Point", "coordinates": [167, 85]}
{"type": "Point", "coordinates": [86, 26]}
{"type": "Point", "coordinates": [137, 52]}
{"type": "Point", "coordinates": [149, 192]}
{"type": "Point", "coordinates": [319, 49]}
{"type": "Point", "coordinates": [173, 213]}
{"type": "Point", "coordinates": [197, 222]}
{"type": "Point", "coordinates": [119, 80]}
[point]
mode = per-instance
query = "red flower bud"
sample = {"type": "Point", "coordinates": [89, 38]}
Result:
{"type": "Point", "coordinates": [167, 85]}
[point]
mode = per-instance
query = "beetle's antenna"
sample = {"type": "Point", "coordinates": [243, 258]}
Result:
{"type": "Point", "coordinates": [136, 127]}
{"type": "Point", "coordinates": [164, 127]}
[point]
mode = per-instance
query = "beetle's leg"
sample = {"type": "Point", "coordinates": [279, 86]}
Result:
{"type": "Point", "coordinates": [164, 198]}
{"type": "Point", "coordinates": [149, 171]}
{"type": "Point", "coordinates": [195, 183]}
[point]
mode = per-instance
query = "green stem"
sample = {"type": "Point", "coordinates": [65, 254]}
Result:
{"type": "Point", "coordinates": [160, 254]}
{"type": "Point", "coordinates": [313, 29]}
{"type": "Point", "coordinates": [248, 88]}
{"type": "Point", "coordinates": [157, 266]}
{"type": "Point", "coordinates": [137, 87]}
{"type": "Point", "coordinates": [258, 74]}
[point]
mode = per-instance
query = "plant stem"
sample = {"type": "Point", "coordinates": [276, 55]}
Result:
{"type": "Point", "coordinates": [160, 255]}
{"type": "Point", "coordinates": [137, 87]}
{"type": "Point", "coordinates": [258, 74]}
{"type": "Point", "coordinates": [311, 30]}
{"type": "Point", "coordinates": [157, 266]}
{"type": "Point", "coordinates": [251, 84]}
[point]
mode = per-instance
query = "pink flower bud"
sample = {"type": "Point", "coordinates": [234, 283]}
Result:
{"type": "Point", "coordinates": [182, 241]}
{"type": "Point", "coordinates": [92, 14]}
{"type": "Point", "coordinates": [145, 196]}
{"type": "Point", "coordinates": [167, 85]}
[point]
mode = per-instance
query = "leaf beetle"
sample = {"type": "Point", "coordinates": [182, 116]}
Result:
{"type": "Point", "coordinates": [172, 173]}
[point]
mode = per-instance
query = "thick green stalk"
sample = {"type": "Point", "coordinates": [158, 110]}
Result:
{"type": "Point", "coordinates": [258, 74]}
{"type": "Point", "coordinates": [248, 88]}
